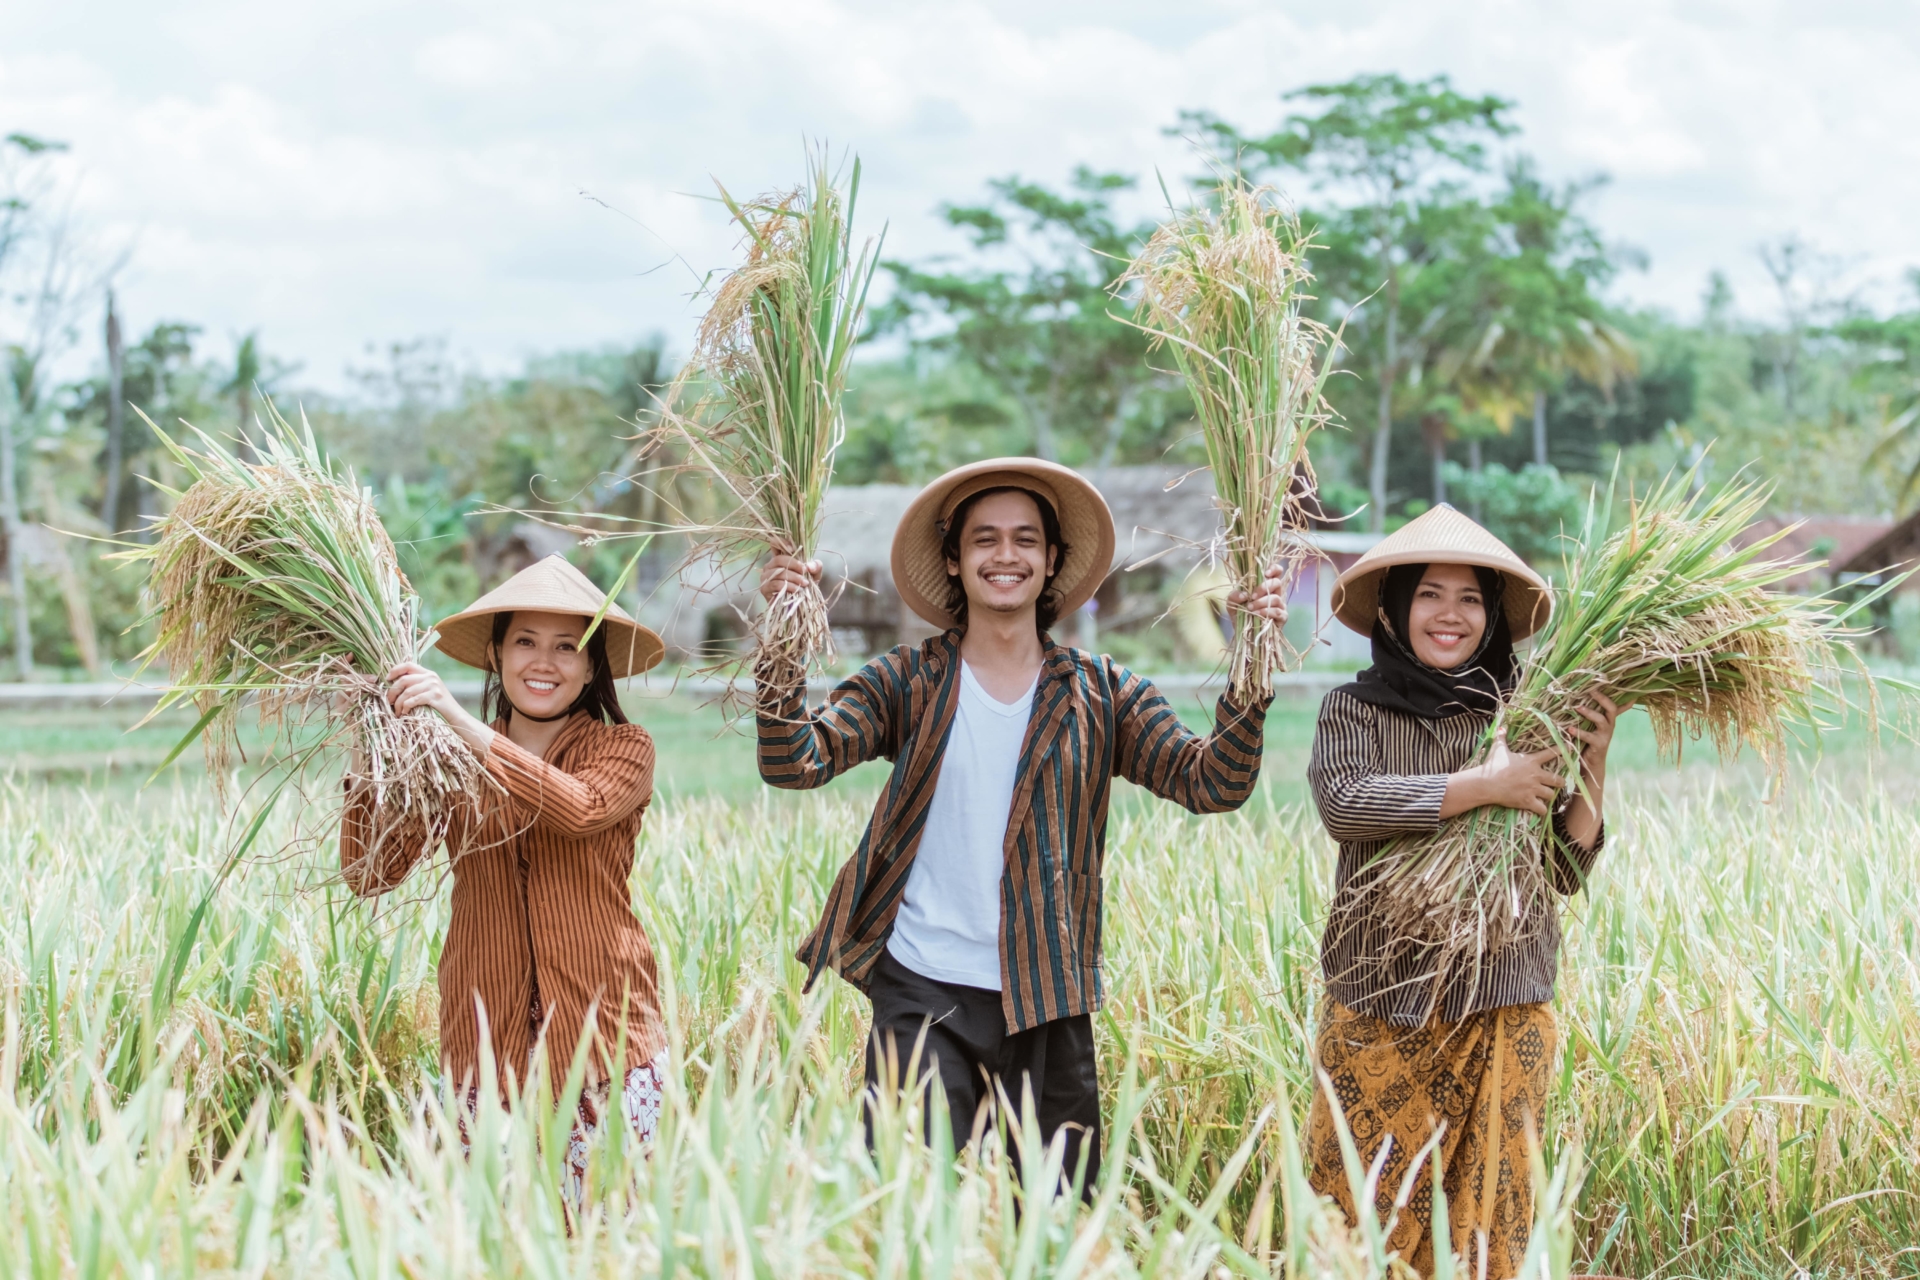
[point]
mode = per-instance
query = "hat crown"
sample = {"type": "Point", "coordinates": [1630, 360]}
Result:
{"type": "Point", "coordinates": [549, 585]}
{"type": "Point", "coordinates": [1441, 529]}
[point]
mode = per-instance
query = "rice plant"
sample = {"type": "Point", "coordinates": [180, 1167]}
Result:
{"type": "Point", "coordinates": [253, 1088]}
{"type": "Point", "coordinates": [1668, 613]}
{"type": "Point", "coordinates": [772, 356]}
{"type": "Point", "coordinates": [273, 583]}
{"type": "Point", "coordinates": [1222, 287]}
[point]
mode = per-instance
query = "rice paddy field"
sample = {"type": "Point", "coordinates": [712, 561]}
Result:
{"type": "Point", "coordinates": [249, 1087]}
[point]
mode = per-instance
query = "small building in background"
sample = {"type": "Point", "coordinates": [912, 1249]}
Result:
{"type": "Point", "coordinates": [1837, 540]}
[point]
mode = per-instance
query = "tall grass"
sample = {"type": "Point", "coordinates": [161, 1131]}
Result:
{"type": "Point", "coordinates": [1222, 287]}
{"type": "Point", "coordinates": [1739, 998]}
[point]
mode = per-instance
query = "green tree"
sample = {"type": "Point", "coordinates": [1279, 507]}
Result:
{"type": "Point", "coordinates": [1889, 371]}
{"type": "Point", "coordinates": [1389, 155]}
{"type": "Point", "coordinates": [1539, 318]}
{"type": "Point", "coordinates": [1040, 320]}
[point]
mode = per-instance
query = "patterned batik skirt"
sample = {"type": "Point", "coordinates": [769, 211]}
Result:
{"type": "Point", "coordinates": [1481, 1083]}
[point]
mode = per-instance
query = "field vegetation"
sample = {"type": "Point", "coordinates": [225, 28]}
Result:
{"type": "Point", "coordinates": [251, 1088]}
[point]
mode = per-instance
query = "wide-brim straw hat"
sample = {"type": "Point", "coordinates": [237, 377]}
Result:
{"type": "Point", "coordinates": [920, 569]}
{"type": "Point", "coordinates": [550, 586]}
{"type": "Point", "coordinates": [1442, 536]}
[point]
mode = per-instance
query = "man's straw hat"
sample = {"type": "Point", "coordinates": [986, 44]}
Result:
{"type": "Point", "coordinates": [920, 570]}
{"type": "Point", "coordinates": [1442, 536]}
{"type": "Point", "coordinates": [550, 586]}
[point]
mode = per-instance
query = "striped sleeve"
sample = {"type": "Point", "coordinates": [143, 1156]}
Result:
{"type": "Point", "coordinates": [799, 750]}
{"type": "Point", "coordinates": [1357, 797]}
{"type": "Point", "coordinates": [1214, 774]}
{"type": "Point", "coordinates": [375, 859]}
{"type": "Point", "coordinates": [614, 782]}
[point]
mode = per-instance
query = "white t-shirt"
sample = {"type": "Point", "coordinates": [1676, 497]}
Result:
{"type": "Point", "coordinates": [948, 927]}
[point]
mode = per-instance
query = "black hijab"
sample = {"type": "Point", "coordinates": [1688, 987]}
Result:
{"type": "Point", "coordinates": [1401, 682]}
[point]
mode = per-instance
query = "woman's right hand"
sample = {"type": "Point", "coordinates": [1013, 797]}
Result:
{"type": "Point", "coordinates": [1506, 779]}
{"type": "Point", "coordinates": [788, 573]}
{"type": "Point", "coordinates": [411, 686]}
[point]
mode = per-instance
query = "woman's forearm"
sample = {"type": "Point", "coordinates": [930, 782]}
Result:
{"type": "Point", "coordinates": [1465, 790]}
{"type": "Point", "coordinates": [475, 734]}
{"type": "Point", "coordinates": [1583, 814]}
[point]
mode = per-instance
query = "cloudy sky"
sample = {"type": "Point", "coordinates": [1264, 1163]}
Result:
{"type": "Point", "coordinates": [338, 172]}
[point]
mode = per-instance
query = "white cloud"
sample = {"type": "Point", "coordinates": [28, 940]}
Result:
{"type": "Point", "coordinates": [354, 171]}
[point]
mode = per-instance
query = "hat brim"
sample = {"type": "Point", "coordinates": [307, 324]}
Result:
{"type": "Point", "coordinates": [632, 649]}
{"type": "Point", "coordinates": [920, 567]}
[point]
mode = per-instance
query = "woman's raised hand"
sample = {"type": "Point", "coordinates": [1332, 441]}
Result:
{"type": "Point", "coordinates": [410, 686]}
{"type": "Point", "coordinates": [1269, 602]}
{"type": "Point", "coordinates": [788, 573]}
{"type": "Point", "coordinates": [1506, 779]}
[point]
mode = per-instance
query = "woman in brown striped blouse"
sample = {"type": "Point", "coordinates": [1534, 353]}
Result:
{"type": "Point", "coordinates": [1464, 1064]}
{"type": "Point", "coordinates": [543, 948]}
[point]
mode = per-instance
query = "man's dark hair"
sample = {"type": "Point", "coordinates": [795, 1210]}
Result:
{"type": "Point", "coordinates": [599, 699]}
{"type": "Point", "coordinates": [1047, 609]}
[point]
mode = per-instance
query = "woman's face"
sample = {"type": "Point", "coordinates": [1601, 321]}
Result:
{"type": "Point", "coordinates": [1448, 616]}
{"type": "Point", "coordinates": [542, 665]}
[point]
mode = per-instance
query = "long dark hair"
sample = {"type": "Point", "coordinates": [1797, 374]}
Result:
{"type": "Point", "coordinates": [599, 699]}
{"type": "Point", "coordinates": [1046, 610]}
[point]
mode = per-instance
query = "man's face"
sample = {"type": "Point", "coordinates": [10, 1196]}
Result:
{"type": "Point", "coordinates": [1004, 559]}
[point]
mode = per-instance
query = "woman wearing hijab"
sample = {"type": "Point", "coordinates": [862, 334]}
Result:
{"type": "Point", "coordinates": [542, 949]}
{"type": "Point", "coordinates": [1405, 1056]}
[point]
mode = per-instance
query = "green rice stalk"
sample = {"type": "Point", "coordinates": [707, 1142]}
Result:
{"type": "Point", "coordinates": [1667, 613]}
{"type": "Point", "coordinates": [275, 581]}
{"type": "Point", "coordinates": [1223, 288]}
{"type": "Point", "coordinates": [771, 358]}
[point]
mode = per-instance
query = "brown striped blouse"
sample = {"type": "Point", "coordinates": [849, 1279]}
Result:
{"type": "Point", "coordinates": [1378, 774]}
{"type": "Point", "coordinates": [1092, 721]}
{"type": "Point", "coordinates": [542, 925]}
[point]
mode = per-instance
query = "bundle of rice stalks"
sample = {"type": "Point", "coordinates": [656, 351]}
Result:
{"type": "Point", "coordinates": [1667, 613]}
{"type": "Point", "coordinates": [771, 358]}
{"type": "Point", "coordinates": [1222, 287]}
{"type": "Point", "coordinates": [274, 581]}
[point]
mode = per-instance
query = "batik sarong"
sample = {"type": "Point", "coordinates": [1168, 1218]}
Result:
{"type": "Point", "coordinates": [1481, 1083]}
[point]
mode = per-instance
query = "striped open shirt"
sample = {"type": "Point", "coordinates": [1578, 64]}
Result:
{"type": "Point", "coordinates": [1092, 721]}
{"type": "Point", "coordinates": [1378, 774]}
{"type": "Point", "coordinates": [542, 924]}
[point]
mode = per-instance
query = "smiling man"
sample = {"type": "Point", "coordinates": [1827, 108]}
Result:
{"type": "Point", "coordinates": [970, 912]}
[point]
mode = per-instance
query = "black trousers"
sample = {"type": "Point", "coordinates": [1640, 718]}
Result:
{"type": "Point", "coordinates": [962, 1033]}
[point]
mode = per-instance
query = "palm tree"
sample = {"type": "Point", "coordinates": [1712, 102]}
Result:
{"type": "Point", "coordinates": [1539, 321]}
{"type": "Point", "coordinates": [246, 379]}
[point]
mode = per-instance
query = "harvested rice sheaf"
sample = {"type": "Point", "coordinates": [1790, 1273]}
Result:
{"type": "Point", "coordinates": [1222, 288]}
{"type": "Point", "coordinates": [1668, 613]}
{"type": "Point", "coordinates": [767, 376]}
{"type": "Point", "coordinates": [275, 581]}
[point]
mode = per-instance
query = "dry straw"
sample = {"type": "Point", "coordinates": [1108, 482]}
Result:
{"type": "Point", "coordinates": [1223, 288]}
{"type": "Point", "coordinates": [770, 362]}
{"type": "Point", "coordinates": [1670, 612]}
{"type": "Point", "coordinates": [275, 581]}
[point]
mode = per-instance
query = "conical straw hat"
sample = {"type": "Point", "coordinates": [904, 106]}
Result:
{"type": "Point", "coordinates": [920, 570]}
{"type": "Point", "coordinates": [1442, 536]}
{"type": "Point", "coordinates": [550, 586]}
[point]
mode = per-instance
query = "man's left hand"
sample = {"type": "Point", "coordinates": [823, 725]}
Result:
{"type": "Point", "coordinates": [1269, 602]}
